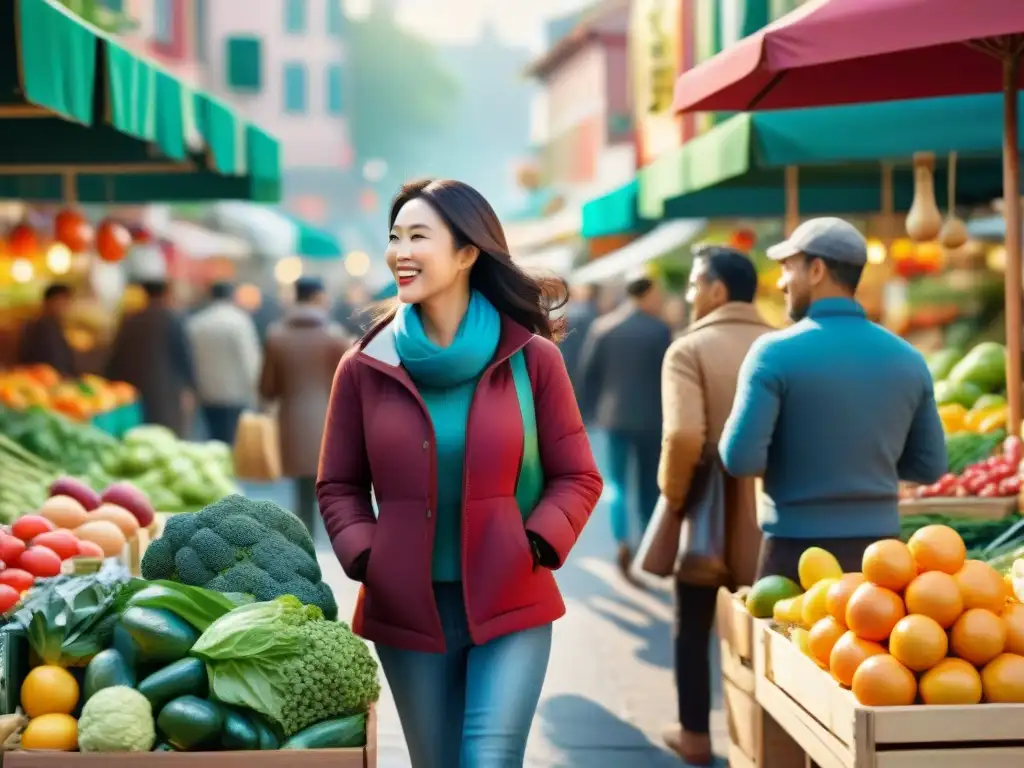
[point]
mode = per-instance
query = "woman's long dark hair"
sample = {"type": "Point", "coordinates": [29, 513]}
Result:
{"type": "Point", "coordinates": [526, 299]}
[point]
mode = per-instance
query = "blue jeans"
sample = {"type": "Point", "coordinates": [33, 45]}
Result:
{"type": "Point", "coordinates": [471, 707]}
{"type": "Point", "coordinates": [643, 451]}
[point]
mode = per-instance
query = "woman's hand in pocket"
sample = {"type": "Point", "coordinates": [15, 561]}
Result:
{"type": "Point", "coordinates": [360, 566]}
{"type": "Point", "coordinates": [543, 555]}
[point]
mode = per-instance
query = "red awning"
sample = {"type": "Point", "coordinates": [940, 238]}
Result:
{"type": "Point", "coordinates": [852, 51]}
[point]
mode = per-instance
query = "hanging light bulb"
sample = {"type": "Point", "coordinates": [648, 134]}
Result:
{"type": "Point", "coordinates": [22, 271]}
{"type": "Point", "coordinates": [58, 259]}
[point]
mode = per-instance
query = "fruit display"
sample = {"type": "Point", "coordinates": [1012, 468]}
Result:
{"type": "Point", "coordinates": [996, 476]}
{"type": "Point", "coordinates": [79, 399]}
{"type": "Point", "coordinates": [920, 623]}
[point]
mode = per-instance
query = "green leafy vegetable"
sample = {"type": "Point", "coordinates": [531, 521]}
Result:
{"type": "Point", "coordinates": [199, 607]}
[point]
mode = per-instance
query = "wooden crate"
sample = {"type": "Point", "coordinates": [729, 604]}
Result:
{"type": "Point", "coordinates": [358, 757]}
{"type": "Point", "coordinates": [755, 740]}
{"type": "Point", "coordinates": [971, 508]}
{"type": "Point", "coordinates": [833, 731]}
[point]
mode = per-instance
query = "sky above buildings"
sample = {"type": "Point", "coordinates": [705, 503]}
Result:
{"type": "Point", "coordinates": [520, 22]}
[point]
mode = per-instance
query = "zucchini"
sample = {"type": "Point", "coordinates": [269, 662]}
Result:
{"type": "Point", "coordinates": [183, 677]}
{"type": "Point", "coordinates": [107, 668]}
{"type": "Point", "coordinates": [189, 723]}
{"type": "Point", "coordinates": [332, 734]}
{"type": "Point", "coordinates": [160, 636]}
{"type": "Point", "coordinates": [268, 737]}
{"type": "Point", "coordinates": [239, 733]}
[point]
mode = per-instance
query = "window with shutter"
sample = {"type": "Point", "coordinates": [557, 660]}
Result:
{"type": "Point", "coordinates": [295, 101]}
{"type": "Point", "coordinates": [335, 89]}
{"type": "Point", "coordinates": [244, 68]}
{"type": "Point", "coordinates": [295, 17]}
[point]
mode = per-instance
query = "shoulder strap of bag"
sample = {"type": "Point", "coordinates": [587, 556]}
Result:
{"type": "Point", "coordinates": [530, 484]}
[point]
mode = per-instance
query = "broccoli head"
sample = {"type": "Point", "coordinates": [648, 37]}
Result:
{"type": "Point", "coordinates": [241, 545]}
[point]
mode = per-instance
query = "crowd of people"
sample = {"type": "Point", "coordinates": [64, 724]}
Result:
{"type": "Point", "coordinates": [483, 476]}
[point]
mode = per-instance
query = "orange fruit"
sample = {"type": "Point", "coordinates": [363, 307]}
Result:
{"type": "Point", "coordinates": [822, 638]}
{"type": "Point", "coordinates": [888, 563]}
{"type": "Point", "coordinates": [978, 636]}
{"type": "Point", "coordinates": [937, 548]}
{"type": "Point", "coordinates": [848, 653]}
{"type": "Point", "coordinates": [49, 690]}
{"type": "Point", "coordinates": [839, 595]}
{"type": "Point", "coordinates": [1013, 618]}
{"type": "Point", "coordinates": [981, 586]}
{"type": "Point", "coordinates": [935, 594]}
{"type": "Point", "coordinates": [53, 732]}
{"type": "Point", "coordinates": [881, 681]}
{"type": "Point", "coordinates": [951, 681]}
{"type": "Point", "coordinates": [918, 642]}
{"type": "Point", "coordinates": [873, 611]}
{"type": "Point", "coordinates": [1002, 679]}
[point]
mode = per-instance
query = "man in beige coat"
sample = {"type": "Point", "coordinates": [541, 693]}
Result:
{"type": "Point", "coordinates": [301, 356]}
{"type": "Point", "coordinates": [698, 385]}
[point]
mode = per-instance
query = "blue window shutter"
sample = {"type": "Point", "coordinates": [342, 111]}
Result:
{"type": "Point", "coordinates": [295, 17]}
{"type": "Point", "coordinates": [335, 89]}
{"type": "Point", "coordinates": [295, 101]}
{"type": "Point", "coordinates": [335, 18]}
{"type": "Point", "coordinates": [244, 65]}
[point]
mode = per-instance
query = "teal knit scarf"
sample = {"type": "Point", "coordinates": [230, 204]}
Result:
{"type": "Point", "coordinates": [465, 358]}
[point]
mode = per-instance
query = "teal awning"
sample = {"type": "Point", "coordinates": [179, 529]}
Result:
{"type": "Point", "coordinates": [614, 213]}
{"type": "Point", "coordinates": [81, 115]}
{"type": "Point", "coordinates": [315, 243]}
{"type": "Point", "coordinates": [737, 168]}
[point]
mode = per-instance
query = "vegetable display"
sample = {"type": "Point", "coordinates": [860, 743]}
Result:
{"type": "Point", "coordinates": [996, 476]}
{"type": "Point", "coordinates": [126, 665]}
{"type": "Point", "coordinates": [241, 545]}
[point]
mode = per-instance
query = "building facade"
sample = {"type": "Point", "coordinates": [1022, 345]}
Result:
{"type": "Point", "coordinates": [281, 63]}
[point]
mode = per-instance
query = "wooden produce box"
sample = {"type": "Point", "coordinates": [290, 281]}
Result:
{"type": "Point", "coordinates": [834, 731]}
{"type": "Point", "coordinates": [969, 507]}
{"type": "Point", "coordinates": [754, 740]}
{"type": "Point", "coordinates": [361, 757]}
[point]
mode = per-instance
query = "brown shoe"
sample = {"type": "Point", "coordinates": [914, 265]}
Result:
{"type": "Point", "coordinates": [692, 748]}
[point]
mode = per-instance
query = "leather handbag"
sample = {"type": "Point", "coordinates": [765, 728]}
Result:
{"type": "Point", "coordinates": [701, 543]}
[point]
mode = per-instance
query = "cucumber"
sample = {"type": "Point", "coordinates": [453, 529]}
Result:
{"type": "Point", "coordinates": [332, 734]}
{"type": "Point", "coordinates": [239, 732]}
{"type": "Point", "coordinates": [107, 668]}
{"type": "Point", "coordinates": [160, 636]}
{"type": "Point", "coordinates": [189, 723]}
{"type": "Point", "coordinates": [163, 747]}
{"type": "Point", "coordinates": [183, 677]}
{"type": "Point", "coordinates": [268, 738]}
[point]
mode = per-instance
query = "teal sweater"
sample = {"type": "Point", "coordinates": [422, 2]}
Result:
{"type": "Point", "coordinates": [833, 412]}
{"type": "Point", "coordinates": [446, 378]}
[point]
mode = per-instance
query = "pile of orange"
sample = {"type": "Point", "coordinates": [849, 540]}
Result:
{"type": "Point", "coordinates": [41, 385]}
{"type": "Point", "coordinates": [920, 622]}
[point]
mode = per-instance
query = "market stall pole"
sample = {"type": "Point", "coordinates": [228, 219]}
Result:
{"type": "Point", "coordinates": [853, 51]}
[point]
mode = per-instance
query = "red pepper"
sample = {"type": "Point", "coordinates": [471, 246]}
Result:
{"type": "Point", "coordinates": [1010, 486]}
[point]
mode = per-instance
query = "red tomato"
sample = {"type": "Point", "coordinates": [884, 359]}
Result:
{"type": "Point", "coordinates": [11, 548]}
{"type": "Point", "coordinates": [64, 543]}
{"type": "Point", "coordinates": [28, 527]}
{"type": "Point", "coordinates": [1009, 486]}
{"type": "Point", "coordinates": [9, 597]}
{"type": "Point", "coordinates": [90, 549]}
{"type": "Point", "coordinates": [17, 578]}
{"type": "Point", "coordinates": [40, 562]}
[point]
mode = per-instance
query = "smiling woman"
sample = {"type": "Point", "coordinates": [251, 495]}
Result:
{"type": "Point", "coordinates": [476, 505]}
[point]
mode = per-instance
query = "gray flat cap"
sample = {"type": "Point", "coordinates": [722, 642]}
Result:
{"type": "Point", "coordinates": [827, 238]}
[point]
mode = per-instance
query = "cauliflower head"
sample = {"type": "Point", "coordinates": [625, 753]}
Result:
{"type": "Point", "coordinates": [116, 719]}
{"type": "Point", "coordinates": [241, 545]}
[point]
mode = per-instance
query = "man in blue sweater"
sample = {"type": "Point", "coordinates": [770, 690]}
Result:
{"type": "Point", "coordinates": [832, 412]}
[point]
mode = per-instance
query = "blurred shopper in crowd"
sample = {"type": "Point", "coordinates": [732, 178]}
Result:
{"type": "Point", "coordinates": [698, 385]}
{"type": "Point", "coordinates": [620, 392]}
{"type": "Point", "coordinates": [353, 311]}
{"type": "Point", "coordinates": [833, 411]}
{"type": "Point", "coordinates": [227, 361]}
{"type": "Point", "coordinates": [475, 509]}
{"type": "Point", "coordinates": [42, 339]}
{"type": "Point", "coordinates": [302, 353]}
{"type": "Point", "coordinates": [580, 313]}
{"type": "Point", "coordinates": [152, 352]}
